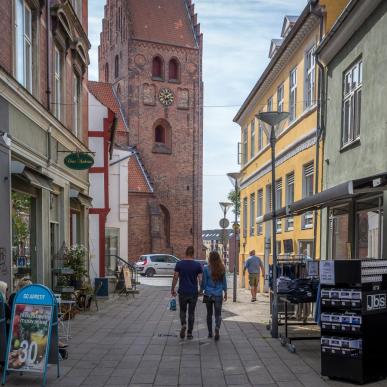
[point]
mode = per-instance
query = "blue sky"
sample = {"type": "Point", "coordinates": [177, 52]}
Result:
{"type": "Point", "coordinates": [237, 36]}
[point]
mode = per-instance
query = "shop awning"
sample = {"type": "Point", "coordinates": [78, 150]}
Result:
{"type": "Point", "coordinates": [331, 196]}
{"type": "Point", "coordinates": [37, 180]}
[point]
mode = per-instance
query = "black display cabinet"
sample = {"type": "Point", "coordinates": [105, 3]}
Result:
{"type": "Point", "coordinates": [354, 320]}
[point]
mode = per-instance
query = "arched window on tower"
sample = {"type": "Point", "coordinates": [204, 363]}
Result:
{"type": "Point", "coordinates": [116, 66]}
{"type": "Point", "coordinates": [162, 137]}
{"type": "Point", "coordinates": [160, 134]}
{"type": "Point", "coordinates": [157, 68]}
{"type": "Point", "coordinates": [107, 72]}
{"type": "Point", "coordinates": [173, 70]}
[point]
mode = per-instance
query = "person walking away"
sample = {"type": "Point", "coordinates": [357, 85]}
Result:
{"type": "Point", "coordinates": [254, 266]}
{"type": "Point", "coordinates": [189, 274]}
{"type": "Point", "coordinates": [214, 287]}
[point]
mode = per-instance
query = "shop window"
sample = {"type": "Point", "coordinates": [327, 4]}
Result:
{"type": "Point", "coordinates": [75, 228]}
{"type": "Point", "coordinates": [23, 236]}
{"type": "Point", "coordinates": [157, 68]}
{"type": "Point", "coordinates": [24, 43]}
{"type": "Point", "coordinates": [338, 236]}
{"type": "Point", "coordinates": [353, 80]}
{"type": "Point", "coordinates": [173, 70]}
{"type": "Point", "coordinates": [112, 249]}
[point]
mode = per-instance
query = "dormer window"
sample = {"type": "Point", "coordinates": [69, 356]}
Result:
{"type": "Point", "coordinates": [158, 68]}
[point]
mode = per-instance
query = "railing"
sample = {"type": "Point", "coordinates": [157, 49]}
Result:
{"type": "Point", "coordinates": [114, 267]}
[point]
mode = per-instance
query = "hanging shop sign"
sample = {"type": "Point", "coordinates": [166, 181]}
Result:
{"type": "Point", "coordinates": [79, 160]}
{"type": "Point", "coordinates": [33, 338]}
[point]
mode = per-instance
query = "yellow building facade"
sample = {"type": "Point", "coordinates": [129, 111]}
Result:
{"type": "Point", "coordinates": [289, 83]}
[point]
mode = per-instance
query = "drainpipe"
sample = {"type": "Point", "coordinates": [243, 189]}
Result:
{"type": "Point", "coordinates": [320, 124]}
{"type": "Point", "coordinates": [48, 46]}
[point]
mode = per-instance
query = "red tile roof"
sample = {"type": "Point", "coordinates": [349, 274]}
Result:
{"type": "Point", "coordinates": [162, 21]}
{"type": "Point", "coordinates": [105, 94]}
{"type": "Point", "coordinates": [136, 177]}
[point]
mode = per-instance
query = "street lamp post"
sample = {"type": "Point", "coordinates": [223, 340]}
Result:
{"type": "Point", "coordinates": [272, 120]}
{"type": "Point", "coordinates": [235, 180]}
{"type": "Point", "coordinates": [224, 223]}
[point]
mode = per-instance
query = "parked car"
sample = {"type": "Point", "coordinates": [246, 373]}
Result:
{"type": "Point", "coordinates": [203, 262]}
{"type": "Point", "coordinates": [151, 264]}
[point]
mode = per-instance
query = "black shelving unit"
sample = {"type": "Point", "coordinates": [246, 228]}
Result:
{"type": "Point", "coordinates": [354, 321]}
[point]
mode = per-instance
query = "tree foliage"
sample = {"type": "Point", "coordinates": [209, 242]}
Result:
{"type": "Point", "coordinates": [235, 199]}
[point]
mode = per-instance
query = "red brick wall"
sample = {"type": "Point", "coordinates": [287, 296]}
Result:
{"type": "Point", "coordinates": [6, 35]}
{"type": "Point", "coordinates": [176, 177]}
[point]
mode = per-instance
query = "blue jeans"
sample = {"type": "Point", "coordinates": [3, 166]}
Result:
{"type": "Point", "coordinates": [214, 305]}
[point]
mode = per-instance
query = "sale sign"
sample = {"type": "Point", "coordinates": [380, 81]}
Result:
{"type": "Point", "coordinates": [33, 340]}
{"type": "Point", "coordinates": [29, 337]}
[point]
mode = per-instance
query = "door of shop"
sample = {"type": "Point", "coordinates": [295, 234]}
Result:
{"type": "Point", "coordinates": [23, 236]}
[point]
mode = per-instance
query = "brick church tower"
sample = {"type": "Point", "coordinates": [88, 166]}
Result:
{"type": "Point", "coordinates": [151, 51]}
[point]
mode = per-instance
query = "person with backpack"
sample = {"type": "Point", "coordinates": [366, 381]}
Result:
{"type": "Point", "coordinates": [189, 274]}
{"type": "Point", "coordinates": [214, 288]}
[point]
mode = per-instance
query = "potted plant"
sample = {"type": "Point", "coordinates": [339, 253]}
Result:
{"type": "Point", "coordinates": [76, 258]}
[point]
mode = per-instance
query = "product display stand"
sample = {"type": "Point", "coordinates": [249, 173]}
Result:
{"type": "Point", "coordinates": [353, 319]}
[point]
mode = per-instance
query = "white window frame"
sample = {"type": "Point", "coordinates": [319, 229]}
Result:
{"type": "Point", "coordinates": [252, 214]}
{"type": "Point", "coordinates": [270, 104]}
{"type": "Point", "coordinates": [310, 78]}
{"type": "Point", "coordinates": [23, 50]}
{"type": "Point", "coordinates": [352, 93]}
{"type": "Point", "coordinates": [280, 97]}
{"type": "Point", "coordinates": [289, 198]}
{"type": "Point", "coordinates": [307, 172]}
{"type": "Point", "coordinates": [76, 104]}
{"type": "Point", "coordinates": [252, 139]}
{"type": "Point", "coordinates": [259, 209]}
{"type": "Point", "coordinates": [293, 95]}
{"type": "Point", "coordinates": [260, 135]}
{"type": "Point", "coordinates": [58, 85]}
{"type": "Point", "coordinates": [278, 202]}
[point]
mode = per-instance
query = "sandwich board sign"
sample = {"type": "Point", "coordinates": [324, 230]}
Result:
{"type": "Point", "coordinates": [3, 335]}
{"type": "Point", "coordinates": [33, 340]}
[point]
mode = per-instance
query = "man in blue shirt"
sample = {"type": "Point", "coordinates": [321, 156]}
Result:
{"type": "Point", "coordinates": [254, 266]}
{"type": "Point", "coordinates": [189, 274]}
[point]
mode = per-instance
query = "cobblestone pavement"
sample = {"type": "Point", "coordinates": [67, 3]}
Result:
{"type": "Point", "coordinates": [133, 342]}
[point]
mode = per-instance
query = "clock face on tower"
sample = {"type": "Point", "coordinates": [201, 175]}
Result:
{"type": "Point", "coordinates": [166, 97]}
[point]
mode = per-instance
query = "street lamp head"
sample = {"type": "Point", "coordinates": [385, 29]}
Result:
{"type": "Point", "coordinates": [225, 206]}
{"type": "Point", "coordinates": [235, 178]}
{"type": "Point", "coordinates": [272, 120]}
